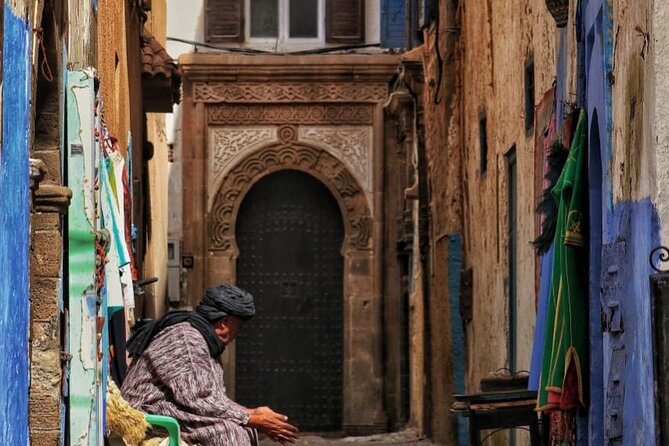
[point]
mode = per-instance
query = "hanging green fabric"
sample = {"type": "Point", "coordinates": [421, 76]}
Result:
{"type": "Point", "coordinates": [565, 359]}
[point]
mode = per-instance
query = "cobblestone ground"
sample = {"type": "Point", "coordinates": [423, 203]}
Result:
{"type": "Point", "coordinates": [404, 438]}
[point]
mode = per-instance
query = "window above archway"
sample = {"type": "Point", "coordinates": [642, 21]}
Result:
{"type": "Point", "coordinates": [263, 22]}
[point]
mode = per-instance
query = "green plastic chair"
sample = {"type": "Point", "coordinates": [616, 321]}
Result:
{"type": "Point", "coordinates": [168, 423]}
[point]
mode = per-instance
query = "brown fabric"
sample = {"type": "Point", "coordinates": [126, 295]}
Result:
{"type": "Point", "coordinates": [176, 376]}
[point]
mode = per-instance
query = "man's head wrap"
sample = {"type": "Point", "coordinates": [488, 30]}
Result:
{"type": "Point", "coordinates": [226, 300]}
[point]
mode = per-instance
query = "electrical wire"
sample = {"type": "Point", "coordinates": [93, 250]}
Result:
{"type": "Point", "coordinates": [254, 51]}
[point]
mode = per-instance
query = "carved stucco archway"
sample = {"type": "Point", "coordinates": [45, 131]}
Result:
{"type": "Point", "coordinates": [363, 374]}
{"type": "Point", "coordinates": [314, 161]}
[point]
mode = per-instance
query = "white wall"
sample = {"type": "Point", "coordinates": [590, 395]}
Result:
{"type": "Point", "coordinates": [185, 20]}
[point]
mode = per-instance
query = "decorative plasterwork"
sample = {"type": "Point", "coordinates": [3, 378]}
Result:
{"type": "Point", "coordinates": [352, 145]}
{"type": "Point", "coordinates": [241, 114]}
{"type": "Point", "coordinates": [289, 92]}
{"type": "Point", "coordinates": [227, 143]}
{"type": "Point", "coordinates": [317, 162]}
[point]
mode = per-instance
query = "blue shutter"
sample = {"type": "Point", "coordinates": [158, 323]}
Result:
{"type": "Point", "coordinates": [393, 24]}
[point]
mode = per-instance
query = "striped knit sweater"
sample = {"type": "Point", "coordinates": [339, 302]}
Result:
{"type": "Point", "coordinates": [176, 376]}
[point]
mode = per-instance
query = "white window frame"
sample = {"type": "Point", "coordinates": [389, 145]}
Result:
{"type": "Point", "coordinates": [283, 39]}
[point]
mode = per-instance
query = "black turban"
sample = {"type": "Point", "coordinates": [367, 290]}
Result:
{"type": "Point", "coordinates": [226, 300]}
{"type": "Point", "coordinates": [217, 302]}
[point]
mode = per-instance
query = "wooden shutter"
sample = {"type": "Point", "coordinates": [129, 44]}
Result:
{"type": "Point", "coordinates": [224, 21]}
{"type": "Point", "coordinates": [345, 21]}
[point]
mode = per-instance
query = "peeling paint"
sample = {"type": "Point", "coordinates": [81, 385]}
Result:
{"type": "Point", "coordinates": [14, 230]}
{"type": "Point", "coordinates": [81, 261]}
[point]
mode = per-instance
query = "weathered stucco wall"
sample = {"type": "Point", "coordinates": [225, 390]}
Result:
{"type": "Point", "coordinates": [443, 168]}
{"type": "Point", "coordinates": [658, 83]}
{"type": "Point", "coordinates": [157, 220]}
{"type": "Point", "coordinates": [633, 171]}
{"type": "Point", "coordinates": [496, 42]}
{"type": "Point", "coordinates": [112, 67]}
{"type": "Point", "coordinates": [632, 161]}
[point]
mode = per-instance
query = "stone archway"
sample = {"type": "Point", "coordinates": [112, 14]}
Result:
{"type": "Point", "coordinates": [362, 364]}
{"type": "Point", "coordinates": [317, 162]}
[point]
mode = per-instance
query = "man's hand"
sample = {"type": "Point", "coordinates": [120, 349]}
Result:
{"type": "Point", "coordinates": [275, 425]}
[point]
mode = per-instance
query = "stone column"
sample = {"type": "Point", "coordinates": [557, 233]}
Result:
{"type": "Point", "coordinates": [50, 202]}
{"type": "Point", "coordinates": [363, 374]}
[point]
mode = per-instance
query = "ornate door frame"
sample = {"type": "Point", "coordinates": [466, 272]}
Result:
{"type": "Point", "coordinates": [322, 115]}
{"type": "Point", "coordinates": [361, 362]}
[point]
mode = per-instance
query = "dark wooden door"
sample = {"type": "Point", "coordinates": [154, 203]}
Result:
{"type": "Point", "coordinates": [289, 356]}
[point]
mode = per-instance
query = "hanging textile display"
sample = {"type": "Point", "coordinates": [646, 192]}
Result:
{"type": "Point", "coordinates": [565, 361]}
{"type": "Point", "coordinates": [120, 284]}
{"type": "Point", "coordinates": [101, 294]}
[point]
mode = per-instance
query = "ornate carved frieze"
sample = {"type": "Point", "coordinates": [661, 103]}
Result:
{"type": "Point", "coordinates": [289, 156]}
{"type": "Point", "coordinates": [289, 92]}
{"type": "Point", "coordinates": [353, 145]}
{"type": "Point", "coordinates": [314, 114]}
{"type": "Point", "coordinates": [226, 143]}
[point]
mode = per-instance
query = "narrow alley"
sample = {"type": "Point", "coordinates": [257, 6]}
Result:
{"type": "Point", "coordinates": [375, 222]}
{"type": "Point", "coordinates": [407, 437]}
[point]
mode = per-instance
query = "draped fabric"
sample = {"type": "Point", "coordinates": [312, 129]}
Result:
{"type": "Point", "coordinates": [217, 302]}
{"type": "Point", "coordinates": [141, 339]}
{"type": "Point", "coordinates": [565, 343]}
{"type": "Point", "coordinates": [176, 376]}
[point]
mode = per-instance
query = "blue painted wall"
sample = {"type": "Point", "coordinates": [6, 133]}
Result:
{"type": "Point", "coordinates": [14, 232]}
{"type": "Point", "coordinates": [457, 329]}
{"type": "Point", "coordinates": [622, 235]}
{"type": "Point", "coordinates": [592, 64]}
{"type": "Point", "coordinates": [638, 224]}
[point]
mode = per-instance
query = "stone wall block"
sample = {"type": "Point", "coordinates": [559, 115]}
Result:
{"type": "Point", "coordinates": [51, 159]}
{"type": "Point", "coordinates": [45, 335]}
{"type": "Point", "coordinates": [45, 221]}
{"type": "Point", "coordinates": [45, 438]}
{"type": "Point", "coordinates": [46, 378]}
{"type": "Point", "coordinates": [45, 258]}
{"type": "Point", "coordinates": [44, 298]}
{"type": "Point", "coordinates": [45, 410]}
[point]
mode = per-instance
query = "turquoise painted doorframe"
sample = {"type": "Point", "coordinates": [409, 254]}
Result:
{"type": "Point", "coordinates": [80, 149]}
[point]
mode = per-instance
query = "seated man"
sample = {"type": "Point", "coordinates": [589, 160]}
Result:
{"type": "Point", "coordinates": [176, 372]}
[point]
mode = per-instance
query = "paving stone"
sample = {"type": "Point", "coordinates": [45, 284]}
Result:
{"type": "Point", "coordinates": [404, 438]}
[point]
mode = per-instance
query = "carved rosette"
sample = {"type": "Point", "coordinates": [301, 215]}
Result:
{"type": "Point", "coordinates": [226, 143]}
{"type": "Point", "coordinates": [318, 162]}
{"type": "Point", "coordinates": [352, 144]}
{"type": "Point", "coordinates": [287, 134]}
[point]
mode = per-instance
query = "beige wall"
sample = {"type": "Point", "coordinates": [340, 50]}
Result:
{"type": "Point", "coordinates": [633, 163]}
{"type": "Point", "coordinates": [441, 102]}
{"type": "Point", "coordinates": [495, 44]}
{"type": "Point", "coordinates": [658, 84]}
{"type": "Point", "coordinates": [155, 264]}
{"type": "Point", "coordinates": [112, 66]}
{"type": "Point", "coordinates": [156, 243]}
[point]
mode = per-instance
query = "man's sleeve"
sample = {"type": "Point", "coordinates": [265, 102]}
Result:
{"type": "Point", "coordinates": [182, 363]}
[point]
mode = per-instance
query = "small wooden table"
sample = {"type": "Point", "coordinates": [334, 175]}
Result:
{"type": "Point", "coordinates": [500, 410]}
